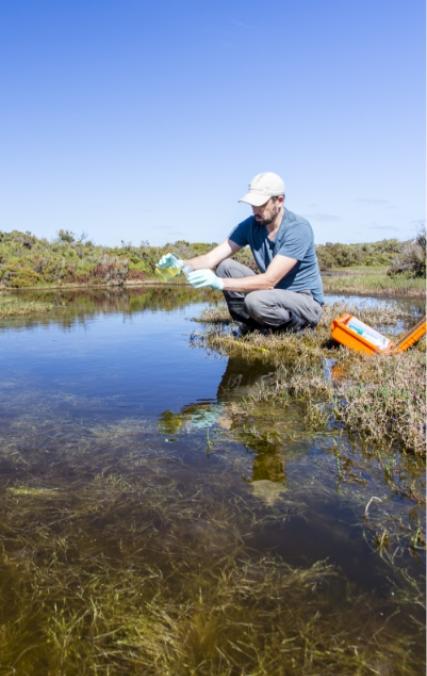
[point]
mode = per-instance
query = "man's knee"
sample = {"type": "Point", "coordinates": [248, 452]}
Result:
{"type": "Point", "coordinates": [265, 310]}
{"type": "Point", "coordinates": [255, 306]}
{"type": "Point", "coordinates": [224, 268]}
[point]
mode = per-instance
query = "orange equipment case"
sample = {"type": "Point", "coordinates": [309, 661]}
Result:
{"type": "Point", "coordinates": [351, 332]}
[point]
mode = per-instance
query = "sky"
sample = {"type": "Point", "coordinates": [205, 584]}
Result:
{"type": "Point", "coordinates": [133, 121]}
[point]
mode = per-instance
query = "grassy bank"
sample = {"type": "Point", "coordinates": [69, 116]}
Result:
{"type": "Point", "coordinates": [380, 398]}
{"type": "Point", "coordinates": [372, 281]}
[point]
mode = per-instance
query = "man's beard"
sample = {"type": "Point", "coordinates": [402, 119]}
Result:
{"type": "Point", "coordinates": [264, 221]}
{"type": "Point", "coordinates": [268, 221]}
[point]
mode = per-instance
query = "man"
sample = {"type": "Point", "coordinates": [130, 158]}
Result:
{"type": "Point", "coordinates": [287, 292]}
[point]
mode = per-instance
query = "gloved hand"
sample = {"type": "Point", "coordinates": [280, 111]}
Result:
{"type": "Point", "coordinates": [204, 417]}
{"type": "Point", "coordinates": [205, 278]}
{"type": "Point", "coordinates": [169, 260]}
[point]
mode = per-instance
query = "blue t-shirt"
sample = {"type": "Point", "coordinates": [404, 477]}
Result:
{"type": "Point", "coordinates": [294, 239]}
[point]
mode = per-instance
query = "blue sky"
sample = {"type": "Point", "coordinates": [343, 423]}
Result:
{"type": "Point", "coordinates": [139, 121]}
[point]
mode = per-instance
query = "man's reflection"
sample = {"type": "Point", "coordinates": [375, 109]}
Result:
{"type": "Point", "coordinates": [239, 380]}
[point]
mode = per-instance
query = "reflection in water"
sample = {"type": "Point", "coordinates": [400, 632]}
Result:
{"type": "Point", "coordinates": [237, 384]}
{"type": "Point", "coordinates": [192, 417]}
{"type": "Point", "coordinates": [262, 439]}
{"type": "Point", "coordinates": [240, 378]}
{"type": "Point", "coordinates": [78, 306]}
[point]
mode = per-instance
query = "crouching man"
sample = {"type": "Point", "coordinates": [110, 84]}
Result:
{"type": "Point", "coordinates": [286, 293]}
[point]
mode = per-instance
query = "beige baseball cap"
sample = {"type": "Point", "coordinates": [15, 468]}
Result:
{"type": "Point", "coordinates": [262, 187]}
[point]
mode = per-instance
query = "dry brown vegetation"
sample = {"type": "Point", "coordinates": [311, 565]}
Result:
{"type": "Point", "coordinates": [380, 397]}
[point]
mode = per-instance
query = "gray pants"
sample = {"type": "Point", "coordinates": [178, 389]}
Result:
{"type": "Point", "coordinates": [273, 308]}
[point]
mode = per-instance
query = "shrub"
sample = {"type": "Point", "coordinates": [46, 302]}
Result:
{"type": "Point", "coordinates": [112, 270]}
{"type": "Point", "coordinates": [22, 277]}
{"type": "Point", "coordinates": [66, 236]}
{"type": "Point", "coordinates": [412, 260]}
{"type": "Point", "coordinates": [339, 255]}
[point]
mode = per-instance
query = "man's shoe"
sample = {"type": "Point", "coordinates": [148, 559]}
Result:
{"type": "Point", "coordinates": [240, 329]}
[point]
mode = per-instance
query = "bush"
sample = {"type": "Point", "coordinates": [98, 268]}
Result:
{"type": "Point", "coordinates": [18, 278]}
{"type": "Point", "coordinates": [337, 255]}
{"type": "Point", "coordinates": [412, 260]}
{"type": "Point", "coordinates": [111, 270]}
{"type": "Point", "coordinates": [66, 236]}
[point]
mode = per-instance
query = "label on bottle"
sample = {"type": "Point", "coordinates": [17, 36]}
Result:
{"type": "Point", "coordinates": [369, 334]}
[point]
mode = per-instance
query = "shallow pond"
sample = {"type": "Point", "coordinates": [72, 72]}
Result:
{"type": "Point", "coordinates": [155, 521]}
{"type": "Point", "coordinates": [408, 305]}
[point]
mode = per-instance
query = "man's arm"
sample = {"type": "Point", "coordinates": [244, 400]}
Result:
{"type": "Point", "coordinates": [279, 267]}
{"type": "Point", "coordinates": [213, 257]}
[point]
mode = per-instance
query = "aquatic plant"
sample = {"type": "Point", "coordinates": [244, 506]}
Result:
{"type": "Point", "coordinates": [121, 567]}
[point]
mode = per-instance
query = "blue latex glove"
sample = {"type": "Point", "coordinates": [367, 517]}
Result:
{"type": "Point", "coordinates": [205, 278]}
{"type": "Point", "coordinates": [170, 261]}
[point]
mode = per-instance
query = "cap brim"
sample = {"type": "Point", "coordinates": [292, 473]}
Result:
{"type": "Point", "coordinates": [255, 198]}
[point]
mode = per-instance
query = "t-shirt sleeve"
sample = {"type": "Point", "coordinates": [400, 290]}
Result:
{"type": "Point", "coordinates": [240, 234]}
{"type": "Point", "coordinates": [297, 241]}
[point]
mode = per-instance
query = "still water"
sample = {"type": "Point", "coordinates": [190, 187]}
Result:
{"type": "Point", "coordinates": [154, 521]}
